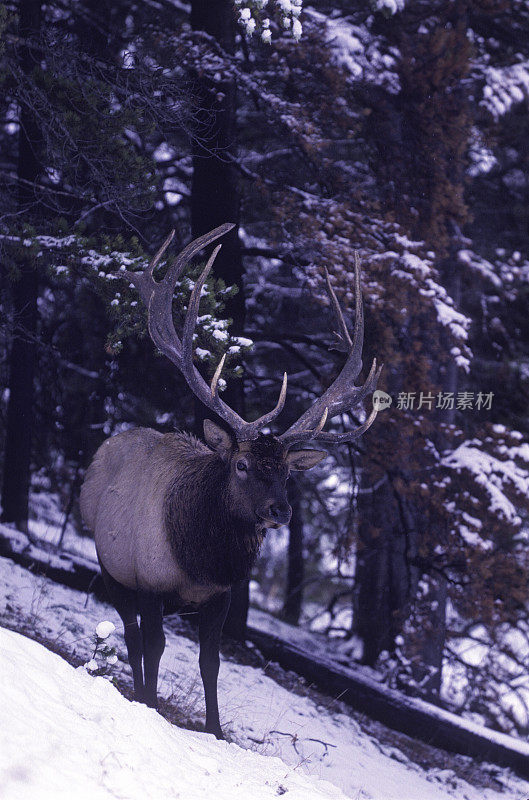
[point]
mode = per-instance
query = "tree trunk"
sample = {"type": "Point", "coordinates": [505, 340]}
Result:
{"type": "Point", "coordinates": [17, 456]}
{"type": "Point", "coordinates": [296, 567]}
{"type": "Point", "coordinates": [214, 200]}
{"type": "Point", "coordinates": [422, 164]}
{"type": "Point", "coordinates": [382, 581]}
{"type": "Point", "coordinates": [430, 636]}
{"type": "Point", "coordinates": [215, 193]}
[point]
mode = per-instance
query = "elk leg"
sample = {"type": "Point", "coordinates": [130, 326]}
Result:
{"type": "Point", "coordinates": [151, 615]}
{"type": "Point", "coordinates": [210, 621]}
{"type": "Point", "coordinates": [125, 602]}
{"type": "Point", "coordinates": [133, 642]}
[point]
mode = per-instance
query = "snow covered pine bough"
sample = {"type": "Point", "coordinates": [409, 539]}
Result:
{"type": "Point", "coordinates": [173, 516]}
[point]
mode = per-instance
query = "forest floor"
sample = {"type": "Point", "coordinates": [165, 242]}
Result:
{"type": "Point", "coordinates": [263, 708]}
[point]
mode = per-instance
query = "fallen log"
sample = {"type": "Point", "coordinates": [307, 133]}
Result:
{"type": "Point", "coordinates": [433, 725]}
{"type": "Point", "coordinates": [65, 568]}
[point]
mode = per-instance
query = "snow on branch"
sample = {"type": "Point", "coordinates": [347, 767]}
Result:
{"type": "Point", "coordinates": [355, 48]}
{"type": "Point", "coordinates": [502, 475]}
{"type": "Point", "coordinates": [411, 266]}
{"type": "Point", "coordinates": [505, 272]}
{"type": "Point", "coordinates": [253, 16]}
{"type": "Point", "coordinates": [504, 88]}
{"type": "Point", "coordinates": [75, 257]}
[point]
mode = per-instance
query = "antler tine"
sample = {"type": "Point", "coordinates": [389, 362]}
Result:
{"type": "Point", "coordinates": [192, 314]}
{"type": "Point", "coordinates": [358, 333]}
{"type": "Point", "coordinates": [144, 281]}
{"type": "Point", "coordinates": [297, 437]}
{"type": "Point", "coordinates": [157, 295]}
{"type": "Point", "coordinates": [369, 385]}
{"type": "Point", "coordinates": [160, 305]}
{"type": "Point", "coordinates": [216, 376]}
{"type": "Point", "coordinates": [155, 261]}
{"type": "Point", "coordinates": [342, 394]}
{"type": "Point", "coordinates": [349, 436]}
{"type": "Point", "coordinates": [194, 247]}
{"type": "Point", "coordinates": [208, 395]}
{"type": "Point", "coordinates": [342, 334]}
{"type": "Point", "coordinates": [267, 418]}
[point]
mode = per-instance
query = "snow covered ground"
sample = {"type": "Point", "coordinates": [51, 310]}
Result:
{"type": "Point", "coordinates": [66, 734]}
{"type": "Point", "coordinates": [83, 730]}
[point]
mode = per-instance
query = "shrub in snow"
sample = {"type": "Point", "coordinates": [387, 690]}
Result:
{"type": "Point", "coordinates": [104, 655]}
{"type": "Point", "coordinates": [104, 629]}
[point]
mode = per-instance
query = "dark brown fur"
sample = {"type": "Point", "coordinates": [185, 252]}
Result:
{"type": "Point", "coordinates": [210, 543]}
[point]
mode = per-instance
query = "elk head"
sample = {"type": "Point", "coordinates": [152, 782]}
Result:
{"type": "Point", "coordinates": [258, 472]}
{"type": "Point", "coordinates": [259, 464]}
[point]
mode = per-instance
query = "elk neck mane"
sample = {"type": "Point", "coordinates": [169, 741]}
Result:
{"type": "Point", "coordinates": [209, 542]}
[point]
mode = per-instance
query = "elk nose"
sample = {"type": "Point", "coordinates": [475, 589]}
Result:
{"type": "Point", "coordinates": [280, 513]}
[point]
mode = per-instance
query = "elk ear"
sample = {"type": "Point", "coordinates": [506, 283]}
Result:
{"type": "Point", "coordinates": [305, 459]}
{"type": "Point", "coordinates": [218, 439]}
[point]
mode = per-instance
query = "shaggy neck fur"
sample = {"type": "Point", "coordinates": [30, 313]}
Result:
{"type": "Point", "coordinates": [209, 542]}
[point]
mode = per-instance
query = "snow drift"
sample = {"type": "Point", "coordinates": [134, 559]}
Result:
{"type": "Point", "coordinates": [66, 734]}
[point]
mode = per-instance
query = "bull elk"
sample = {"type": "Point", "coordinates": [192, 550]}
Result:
{"type": "Point", "coordinates": [174, 516]}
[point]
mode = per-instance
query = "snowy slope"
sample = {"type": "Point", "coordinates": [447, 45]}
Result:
{"type": "Point", "coordinates": [256, 712]}
{"type": "Point", "coordinates": [65, 734]}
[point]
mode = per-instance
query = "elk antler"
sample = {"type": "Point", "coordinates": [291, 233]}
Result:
{"type": "Point", "coordinates": [342, 394]}
{"type": "Point", "coordinates": [158, 297]}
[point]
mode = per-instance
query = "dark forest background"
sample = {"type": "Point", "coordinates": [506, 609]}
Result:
{"type": "Point", "coordinates": [403, 136]}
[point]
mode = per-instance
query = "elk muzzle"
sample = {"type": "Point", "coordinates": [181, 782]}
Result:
{"type": "Point", "coordinates": [275, 513]}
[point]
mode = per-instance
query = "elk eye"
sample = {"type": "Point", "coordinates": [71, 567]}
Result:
{"type": "Point", "coordinates": [242, 466]}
